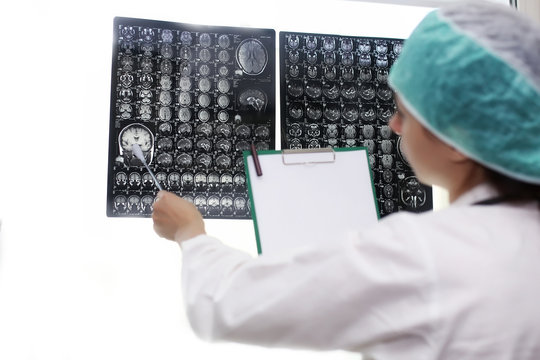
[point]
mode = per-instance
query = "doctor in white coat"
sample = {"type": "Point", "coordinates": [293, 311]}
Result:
{"type": "Point", "coordinates": [460, 283]}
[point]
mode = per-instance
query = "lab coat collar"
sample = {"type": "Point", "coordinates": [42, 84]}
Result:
{"type": "Point", "coordinates": [478, 193]}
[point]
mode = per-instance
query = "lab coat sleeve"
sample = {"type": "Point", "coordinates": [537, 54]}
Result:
{"type": "Point", "coordinates": [340, 297]}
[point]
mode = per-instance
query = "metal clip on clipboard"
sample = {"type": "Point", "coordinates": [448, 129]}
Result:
{"type": "Point", "coordinates": [288, 154]}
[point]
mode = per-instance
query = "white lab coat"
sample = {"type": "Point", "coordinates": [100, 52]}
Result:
{"type": "Point", "coordinates": [460, 283]}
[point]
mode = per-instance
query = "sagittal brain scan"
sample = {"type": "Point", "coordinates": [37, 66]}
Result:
{"type": "Point", "coordinates": [193, 98]}
{"type": "Point", "coordinates": [334, 93]}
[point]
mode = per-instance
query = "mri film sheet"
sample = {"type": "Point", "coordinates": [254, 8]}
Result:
{"type": "Point", "coordinates": [334, 93]}
{"type": "Point", "coordinates": [193, 98]}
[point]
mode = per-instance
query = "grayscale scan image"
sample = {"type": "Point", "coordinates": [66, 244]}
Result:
{"type": "Point", "coordinates": [192, 98]}
{"type": "Point", "coordinates": [334, 93]}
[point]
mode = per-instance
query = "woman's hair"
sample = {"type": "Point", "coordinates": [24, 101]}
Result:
{"type": "Point", "coordinates": [513, 189]}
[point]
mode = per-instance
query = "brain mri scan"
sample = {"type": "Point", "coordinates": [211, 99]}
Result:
{"type": "Point", "coordinates": [193, 98]}
{"type": "Point", "coordinates": [334, 93]}
{"type": "Point", "coordinates": [252, 56]}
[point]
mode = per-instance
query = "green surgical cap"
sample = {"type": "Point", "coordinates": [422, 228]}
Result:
{"type": "Point", "coordinates": [470, 73]}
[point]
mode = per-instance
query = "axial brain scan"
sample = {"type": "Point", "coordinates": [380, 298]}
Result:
{"type": "Point", "coordinates": [334, 93]}
{"type": "Point", "coordinates": [252, 56]}
{"type": "Point", "coordinates": [193, 97]}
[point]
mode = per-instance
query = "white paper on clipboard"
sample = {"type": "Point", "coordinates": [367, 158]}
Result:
{"type": "Point", "coordinates": [308, 197]}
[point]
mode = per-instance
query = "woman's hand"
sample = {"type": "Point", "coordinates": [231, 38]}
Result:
{"type": "Point", "coordinates": [175, 218]}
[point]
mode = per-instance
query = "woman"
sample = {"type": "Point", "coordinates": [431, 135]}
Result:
{"type": "Point", "coordinates": [460, 283]}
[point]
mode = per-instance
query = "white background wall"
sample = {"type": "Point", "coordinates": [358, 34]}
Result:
{"type": "Point", "coordinates": [530, 7]}
{"type": "Point", "coordinates": [75, 284]}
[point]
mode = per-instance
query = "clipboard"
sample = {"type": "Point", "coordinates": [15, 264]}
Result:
{"type": "Point", "coordinates": [309, 197]}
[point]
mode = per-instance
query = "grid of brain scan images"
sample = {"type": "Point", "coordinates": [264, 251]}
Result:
{"type": "Point", "coordinates": [334, 93]}
{"type": "Point", "coordinates": [193, 98]}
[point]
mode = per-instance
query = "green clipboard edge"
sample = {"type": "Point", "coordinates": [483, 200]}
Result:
{"type": "Point", "coordinates": [247, 153]}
